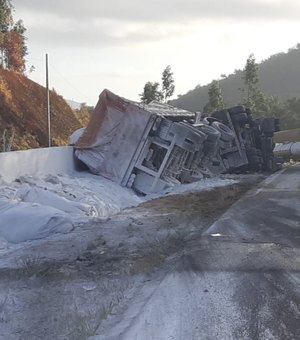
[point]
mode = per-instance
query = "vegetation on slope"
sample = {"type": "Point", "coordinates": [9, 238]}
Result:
{"type": "Point", "coordinates": [23, 112]}
{"type": "Point", "coordinates": [279, 76]}
{"type": "Point", "coordinates": [83, 114]}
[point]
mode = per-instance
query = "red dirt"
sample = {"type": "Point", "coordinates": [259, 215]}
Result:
{"type": "Point", "coordinates": [23, 108]}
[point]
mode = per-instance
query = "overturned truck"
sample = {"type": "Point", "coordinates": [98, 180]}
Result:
{"type": "Point", "coordinates": [151, 147]}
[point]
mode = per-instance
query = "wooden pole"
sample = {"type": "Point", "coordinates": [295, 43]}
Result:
{"type": "Point", "coordinates": [48, 103]}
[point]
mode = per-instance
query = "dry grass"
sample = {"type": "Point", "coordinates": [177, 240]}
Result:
{"type": "Point", "coordinates": [200, 206]}
{"type": "Point", "coordinates": [24, 107]}
{"type": "Point", "coordinates": [32, 266]}
{"type": "Point", "coordinates": [5, 91]}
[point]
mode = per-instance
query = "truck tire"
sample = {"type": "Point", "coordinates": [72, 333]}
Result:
{"type": "Point", "coordinates": [209, 120]}
{"type": "Point", "coordinates": [210, 148]}
{"type": "Point", "coordinates": [212, 134]}
{"type": "Point", "coordinates": [227, 135]}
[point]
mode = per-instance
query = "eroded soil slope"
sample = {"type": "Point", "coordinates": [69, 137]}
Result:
{"type": "Point", "coordinates": [23, 110]}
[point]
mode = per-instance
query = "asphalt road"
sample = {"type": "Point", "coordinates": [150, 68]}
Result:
{"type": "Point", "coordinates": [239, 280]}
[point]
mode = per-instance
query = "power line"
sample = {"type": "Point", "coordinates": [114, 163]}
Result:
{"type": "Point", "coordinates": [56, 72]}
{"type": "Point", "coordinates": [67, 81]}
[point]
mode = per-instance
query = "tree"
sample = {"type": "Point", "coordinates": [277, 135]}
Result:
{"type": "Point", "coordinates": [250, 77]}
{"type": "Point", "coordinates": [168, 86]}
{"type": "Point", "coordinates": [13, 48]}
{"type": "Point", "coordinates": [5, 23]}
{"type": "Point", "coordinates": [21, 29]}
{"type": "Point", "coordinates": [151, 92]}
{"type": "Point", "coordinates": [14, 51]}
{"type": "Point", "coordinates": [255, 99]}
{"type": "Point", "coordinates": [5, 15]}
{"type": "Point", "coordinates": [292, 113]}
{"type": "Point", "coordinates": [287, 111]}
{"type": "Point", "coordinates": [215, 101]}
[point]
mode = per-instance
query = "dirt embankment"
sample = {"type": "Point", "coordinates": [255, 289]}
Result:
{"type": "Point", "coordinates": [23, 113]}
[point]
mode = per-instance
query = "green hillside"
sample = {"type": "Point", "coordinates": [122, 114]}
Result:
{"type": "Point", "coordinates": [279, 76]}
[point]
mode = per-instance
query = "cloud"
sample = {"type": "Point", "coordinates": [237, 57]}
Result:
{"type": "Point", "coordinates": [98, 33]}
{"type": "Point", "coordinates": [64, 30]}
{"type": "Point", "coordinates": [163, 10]}
{"type": "Point", "coordinates": [122, 22]}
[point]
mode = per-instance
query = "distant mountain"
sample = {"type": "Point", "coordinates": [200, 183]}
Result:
{"type": "Point", "coordinates": [73, 104]}
{"type": "Point", "coordinates": [23, 113]}
{"type": "Point", "coordinates": [279, 76]}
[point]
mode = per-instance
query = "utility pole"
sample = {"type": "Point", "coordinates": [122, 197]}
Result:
{"type": "Point", "coordinates": [48, 103]}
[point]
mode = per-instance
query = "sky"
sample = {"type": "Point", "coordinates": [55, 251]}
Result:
{"type": "Point", "coordinates": [122, 44]}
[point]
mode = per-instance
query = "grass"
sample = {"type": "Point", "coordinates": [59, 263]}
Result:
{"type": "Point", "coordinates": [32, 265]}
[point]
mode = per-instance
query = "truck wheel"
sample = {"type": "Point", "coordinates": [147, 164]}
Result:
{"type": "Point", "coordinates": [209, 120]}
{"type": "Point", "coordinates": [227, 135]}
{"type": "Point", "coordinates": [210, 148]}
{"type": "Point", "coordinates": [212, 134]}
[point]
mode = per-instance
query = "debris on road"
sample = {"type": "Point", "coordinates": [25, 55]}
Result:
{"type": "Point", "coordinates": [152, 147]}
